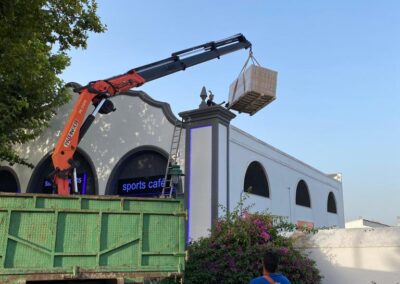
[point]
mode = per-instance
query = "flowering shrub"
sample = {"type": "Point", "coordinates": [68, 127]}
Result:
{"type": "Point", "coordinates": [234, 250]}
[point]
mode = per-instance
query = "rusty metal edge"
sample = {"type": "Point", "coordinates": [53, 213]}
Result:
{"type": "Point", "coordinates": [86, 276]}
{"type": "Point", "coordinates": [94, 197]}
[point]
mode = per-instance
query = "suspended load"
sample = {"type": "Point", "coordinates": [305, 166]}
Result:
{"type": "Point", "coordinates": [254, 88]}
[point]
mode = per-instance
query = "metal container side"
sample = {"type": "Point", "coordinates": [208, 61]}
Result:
{"type": "Point", "coordinates": [49, 234]}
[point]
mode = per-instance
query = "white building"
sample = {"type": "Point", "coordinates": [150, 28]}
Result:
{"type": "Point", "coordinates": [126, 152]}
{"type": "Point", "coordinates": [364, 223]}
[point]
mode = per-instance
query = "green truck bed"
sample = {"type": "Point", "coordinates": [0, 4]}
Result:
{"type": "Point", "coordinates": [49, 237]}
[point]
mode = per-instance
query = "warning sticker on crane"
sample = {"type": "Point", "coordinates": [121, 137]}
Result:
{"type": "Point", "coordinates": [71, 133]}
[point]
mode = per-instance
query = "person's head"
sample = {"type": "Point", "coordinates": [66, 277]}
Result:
{"type": "Point", "coordinates": [270, 261]}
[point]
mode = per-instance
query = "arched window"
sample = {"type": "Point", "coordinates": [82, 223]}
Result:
{"type": "Point", "coordinates": [140, 172]}
{"type": "Point", "coordinates": [255, 180]}
{"type": "Point", "coordinates": [302, 194]}
{"type": "Point", "coordinates": [41, 180]}
{"type": "Point", "coordinates": [331, 206]}
{"type": "Point", "coordinates": [8, 180]}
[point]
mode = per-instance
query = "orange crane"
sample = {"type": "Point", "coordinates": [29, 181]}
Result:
{"type": "Point", "coordinates": [99, 93]}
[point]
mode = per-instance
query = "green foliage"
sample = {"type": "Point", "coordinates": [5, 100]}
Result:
{"type": "Point", "coordinates": [34, 38]}
{"type": "Point", "coordinates": [234, 250]}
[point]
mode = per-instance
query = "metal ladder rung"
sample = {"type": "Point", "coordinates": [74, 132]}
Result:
{"type": "Point", "coordinates": [173, 154]}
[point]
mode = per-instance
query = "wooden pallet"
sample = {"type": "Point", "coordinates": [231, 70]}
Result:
{"type": "Point", "coordinates": [251, 102]}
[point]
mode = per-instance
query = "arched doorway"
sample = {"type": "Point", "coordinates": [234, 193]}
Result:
{"type": "Point", "coordinates": [41, 180]}
{"type": "Point", "coordinates": [302, 194]}
{"type": "Point", "coordinates": [255, 180]}
{"type": "Point", "coordinates": [331, 206]}
{"type": "Point", "coordinates": [140, 172]}
{"type": "Point", "coordinates": [8, 180]}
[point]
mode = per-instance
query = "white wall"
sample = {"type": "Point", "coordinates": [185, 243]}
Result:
{"type": "Point", "coordinates": [135, 123]}
{"type": "Point", "coordinates": [283, 173]}
{"type": "Point", "coordinates": [363, 223]}
{"type": "Point", "coordinates": [356, 255]}
{"type": "Point", "coordinates": [200, 181]}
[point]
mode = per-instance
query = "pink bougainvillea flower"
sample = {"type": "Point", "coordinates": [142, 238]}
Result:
{"type": "Point", "coordinates": [265, 236]}
{"type": "Point", "coordinates": [284, 250]}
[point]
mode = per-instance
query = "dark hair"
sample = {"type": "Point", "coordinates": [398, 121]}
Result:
{"type": "Point", "coordinates": [270, 261]}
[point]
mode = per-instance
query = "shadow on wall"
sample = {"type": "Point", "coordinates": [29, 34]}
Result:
{"type": "Point", "coordinates": [38, 148]}
{"type": "Point", "coordinates": [134, 124]}
{"type": "Point", "coordinates": [354, 275]}
{"type": "Point", "coordinates": [139, 120]}
{"type": "Point", "coordinates": [369, 255]}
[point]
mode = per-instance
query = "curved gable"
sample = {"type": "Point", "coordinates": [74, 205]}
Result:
{"type": "Point", "coordinates": [165, 107]}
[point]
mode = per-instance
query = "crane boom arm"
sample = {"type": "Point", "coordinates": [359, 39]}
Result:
{"type": "Point", "coordinates": [98, 92]}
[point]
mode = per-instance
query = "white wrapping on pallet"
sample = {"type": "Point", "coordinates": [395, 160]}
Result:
{"type": "Point", "coordinates": [253, 89]}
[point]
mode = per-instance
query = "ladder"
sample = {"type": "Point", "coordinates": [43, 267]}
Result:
{"type": "Point", "coordinates": [173, 156]}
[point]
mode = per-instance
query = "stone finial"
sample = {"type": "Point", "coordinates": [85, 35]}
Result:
{"type": "Point", "coordinates": [203, 96]}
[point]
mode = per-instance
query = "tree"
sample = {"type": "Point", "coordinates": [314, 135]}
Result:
{"type": "Point", "coordinates": [34, 38]}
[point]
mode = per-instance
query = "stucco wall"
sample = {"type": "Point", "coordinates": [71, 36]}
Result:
{"type": "Point", "coordinates": [138, 121]}
{"type": "Point", "coordinates": [283, 173]}
{"type": "Point", "coordinates": [356, 255]}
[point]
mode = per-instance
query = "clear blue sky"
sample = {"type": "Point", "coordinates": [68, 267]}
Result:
{"type": "Point", "coordinates": [338, 85]}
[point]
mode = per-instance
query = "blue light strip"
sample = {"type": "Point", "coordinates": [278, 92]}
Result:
{"type": "Point", "coordinates": [84, 184]}
{"type": "Point", "coordinates": [189, 187]}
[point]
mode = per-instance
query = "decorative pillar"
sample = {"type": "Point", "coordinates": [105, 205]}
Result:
{"type": "Point", "coordinates": [206, 165]}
